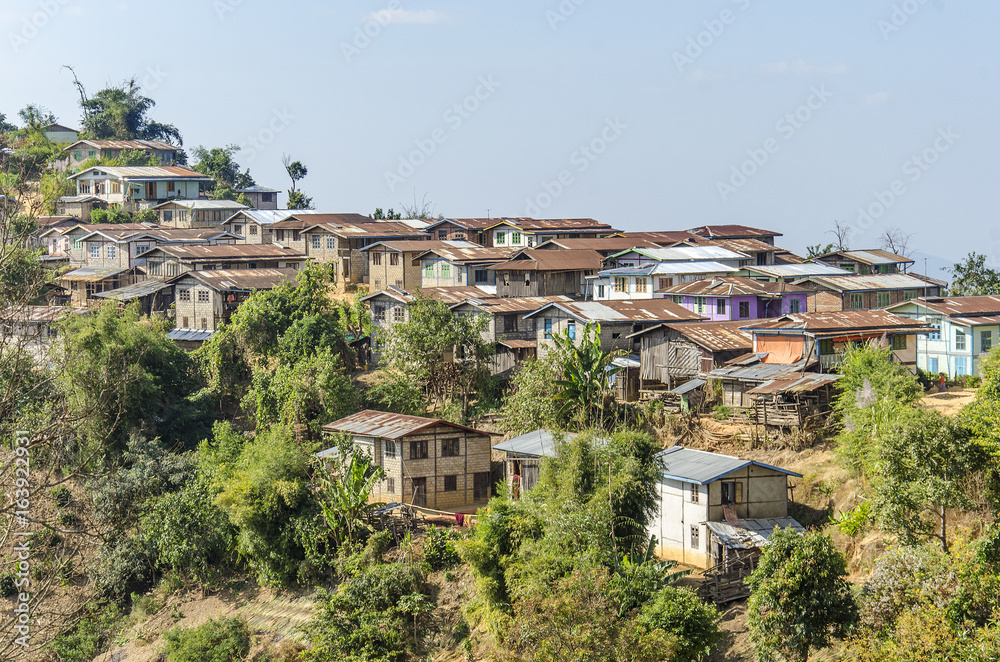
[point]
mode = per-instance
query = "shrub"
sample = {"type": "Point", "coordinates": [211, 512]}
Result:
{"type": "Point", "coordinates": [439, 548]}
{"type": "Point", "coordinates": [721, 412]}
{"type": "Point", "coordinates": [69, 519]}
{"type": "Point", "coordinates": [681, 614]}
{"type": "Point", "coordinates": [89, 637]}
{"type": "Point", "coordinates": [7, 585]}
{"type": "Point", "coordinates": [62, 496]}
{"type": "Point", "coordinates": [854, 521]}
{"type": "Point", "coordinates": [222, 640]}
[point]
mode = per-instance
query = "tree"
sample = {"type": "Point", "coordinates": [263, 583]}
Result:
{"type": "Point", "coordinates": [343, 494]}
{"type": "Point", "coordinates": [219, 164]}
{"type": "Point", "coordinates": [530, 402]}
{"type": "Point", "coordinates": [423, 209]}
{"type": "Point", "coordinates": [842, 235]}
{"type": "Point", "coordinates": [896, 241]}
{"type": "Point", "coordinates": [5, 126]}
{"type": "Point", "coordinates": [971, 277]}
{"type": "Point", "coordinates": [122, 113]}
{"type": "Point", "coordinates": [445, 352]}
{"type": "Point", "coordinates": [800, 598]}
{"type": "Point", "coordinates": [819, 249]}
{"type": "Point", "coordinates": [982, 415]}
{"type": "Point", "coordinates": [390, 215]}
{"type": "Point", "coordinates": [921, 470]}
{"type": "Point", "coordinates": [296, 171]}
{"type": "Point", "coordinates": [586, 375]}
{"type": "Point", "coordinates": [36, 118]}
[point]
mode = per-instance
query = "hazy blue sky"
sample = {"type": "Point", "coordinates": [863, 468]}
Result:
{"type": "Point", "coordinates": [487, 106]}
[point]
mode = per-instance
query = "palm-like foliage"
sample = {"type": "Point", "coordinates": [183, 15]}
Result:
{"type": "Point", "coordinates": [121, 113]}
{"type": "Point", "coordinates": [587, 371]}
{"type": "Point", "coordinates": [344, 497]}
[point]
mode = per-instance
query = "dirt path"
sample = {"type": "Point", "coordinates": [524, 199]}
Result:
{"type": "Point", "coordinates": [950, 402]}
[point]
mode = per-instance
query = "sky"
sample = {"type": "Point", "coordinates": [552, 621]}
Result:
{"type": "Point", "coordinates": [665, 115]}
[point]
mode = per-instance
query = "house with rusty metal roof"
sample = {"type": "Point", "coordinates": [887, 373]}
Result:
{"type": "Point", "coordinates": [738, 298]}
{"type": "Point", "coordinates": [205, 299]}
{"type": "Point", "coordinates": [532, 272]}
{"type": "Point", "coordinates": [530, 232]}
{"type": "Point", "coordinates": [428, 462]}
{"type": "Point", "coordinates": [790, 271]}
{"type": "Point", "coordinates": [643, 273]}
{"type": "Point", "coordinates": [139, 187]}
{"type": "Point", "coordinates": [735, 232]}
{"type": "Point", "coordinates": [867, 262]}
{"type": "Point", "coordinates": [823, 337]}
{"type": "Point", "coordinates": [605, 245]}
{"type": "Point", "coordinates": [618, 319]}
{"type": "Point", "coordinates": [964, 330]}
{"type": "Point", "coordinates": [33, 329]}
{"type": "Point", "coordinates": [163, 262]}
{"type": "Point", "coordinates": [856, 292]}
{"type": "Point", "coordinates": [197, 213]}
{"type": "Point", "coordinates": [699, 489]}
{"type": "Point", "coordinates": [81, 151]}
{"type": "Point", "coordinates": [457, 263]}
{"type": "Point", "coordinates": [123, 247]}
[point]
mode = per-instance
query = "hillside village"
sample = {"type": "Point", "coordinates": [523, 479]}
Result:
{"type": "Point", "coordinates": [286, 433]}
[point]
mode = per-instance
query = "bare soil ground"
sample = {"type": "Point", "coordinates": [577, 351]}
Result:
{"type": "Point", "coordinates": [950, 402]}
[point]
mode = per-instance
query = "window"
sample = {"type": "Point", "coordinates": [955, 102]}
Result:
{"type": "Point", "coordinates": [95, 251]}
{"type": "Point", "coordinates": [204, 323]}
{"type": "Point", "coordinates": [600, 291]}
{"type": "Point", "coordinates": [909, 294]}
{"type": "Point", "coordinates": [857, 301]}
{"type": "Point", "coordinates": [252, 229]}
{"type": "Point", "coordinates": [825, 347]}
{"type": "Point", "coordinates": [961, 366]}
{"type": "Point", "coordinates": [315, 242]}
{"type": "Point", "coordinates": [141, 248]}
{"type": "Point", "coordinates": [393, 259]}
{"type": "Point", "coordinates": [389, 448]}
{"type": "Point", "coordinates": [84, 188]}
{"type": "Point", "coordinates": [481, 485]}
{"type": "Point", "coordinates": [985, 341]}
{"type": "Point", "coordinates": [571, 329]}
{"type": "Point", "coordinates": [694, 536]}
{"type": "Point", "coordinates": [91, 154]}
{"type": "Point", "coordinates": [450, 483]}
{"type": "Point", "coordinates": [621, 284]}
{"type": "Point", "coordinates": [794, 305]}
{"type": "Point", "coordinates": [418, 450]}
{"type": "Point", "coordinates": [935, 333]}
{"type": "Point", "coordinates": [695, 493]}
{"type": "Point", "coordinates": [379, 312]}
{"type": "Point", "coordinates": [376, 258]}
{"type": "Point", "coordinates": [676, 298]}
{"type": "Point", "coordinates": [116, 187]}
{"type": "Point", "coordinates": [884, 299]}
{"type": "Point", "coordinates": [390, 485]}
{"type": "Point", "coordinates": [202, 296]}
{"type": "Point", "coordinates": [515, 237]}
{"type": "Point", "coordinates": [499, 238]}
{"type": "Point", "coordinates": [172, 269]}
{"type": "Point", "coordinates": [111, 251]}
{"type": "Point", "coordinates": [666, 282]}
{"type": "Point", "coordinates": [77, 155]}
{"type": "Point", "coordinates": [445, 270]}
{"type": "Point", "coordinates": [184, 322]}
{"type": "Point", "coordinates": [442, 235]}
{"type": "Point", "coordinates": [898, 342]}
{"type": "Point", "coordinates": [429, 271]}
{"type": "Point", "coordinates": [932, 366]}
{"type": "Point", "coordinates": [720, 306]}
{"type": "Point", "coordinates": [509, 323]}
{"type": "Point", "coordinates": [959, 339]}
{"type": "Point", "coordinates": [548, 328]}
{"type": "Point", "coordinates": [295, 235]}
{"type": "Point", "coordinates": [450, 448]}
{"type": "Point", "coordinates": [732, 493]}
{"type": "Point", "coordinates": [331, 243]}
{"type": "Point", "coordinates": [397, 314]}
{"type": "Point", "coordinates": [184, 295]}
{"type": "Point", "coordinates": [616, 336]}
{"type": "Point", "coordinates": [744, 309]}
{"type": "Point", "coordinates": [699, 304]}
{"type": "Point", "coordinates": [527, 279]}
{"type": "Point", "coordinates": [640, 285]}
{"type": "Point", "coordinates": [482, 276]}
{"type": "Point", "coordinates": [77, 244]}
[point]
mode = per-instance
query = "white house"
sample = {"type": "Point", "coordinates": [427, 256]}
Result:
{"type": "Point", "coordinates": [964, 330]}
{"type": "Point", "coordinates": [704, 497]}
{"type": "Point", "coordinates": [139, 187]}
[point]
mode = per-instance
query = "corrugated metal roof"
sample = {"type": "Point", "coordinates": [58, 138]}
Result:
{"type": "Point", "coordinates": [663, 238]}
{"type": "Point", "coordinates": [756, 371]}
{"type": "Point", "coordinates": [688, 386]}
{"type": "Point", "coordinates": [630, 361]}
{"type": "Point", "coordinates": [36, 314]}
{"type": "Point", "coordinates": [870, 256]}
{"type": "Point", "coordinates": [448, 295]}
{"type": "Point", "coordinates": [134, 291]}
{"type": "Point", "coordinates": [732, 231]}
{"type": "Point", "coordinates": [686, 253]}
{"type": "Point", "coordinates": [143, 145]}
{"type": "Point", "coordinates": [497, 306]}
{"type": "Point", "coordinates": [734, 286]}
{"type": "Point", "coordinates": [203, 204]}
{"type": "Point", "coordinates": [745, 246]}
{"type": "Point", "coordinates": [470, 253]}
{"type": "Point", "coordinates": [419, 245]}
{"type": "Point", "coordinates": [229, 251]}
{"type": "Point", "coordinates": [386, 425]}
{"type": "Point", "coordinates": [638, 310]}
{"type": "Point", "coordinates": [958, 306]}
{"type": "Point", "coordinates": [548, 260]}
{"type": "Point", "coordinates": [241, 279]}
{"type": "Point", "coordinates": [689, 465]}
{"type": "Point", "coordinates": [190, 335]}
{"type": "Point", "coordinates": [708, 268]}
{"type": "Point", "coordinates": [257, 188]}
{"type": "Point", "coordinates": [841, 320]}
{"type": "Point", "coordinates": [539, 225]}
{"type": "Point", "coordinates": [538, 443]}
{"type": "Point", "coordinates": [713, 336]}
{"type": "Point", "coordinates": [803, 270]}
{"type": "Point", "coordinates": [91, 274]}
{"type": "Point", "coordinates": [870, 282]}
{"type": "Point", "coordinates": [795, 383]}
{"type": "Point", "coordinates": [753, 534]}
{"type": "Point", "coordinates": [146, 172]}
{"type": "Point", "coordinates": [601, 245]}
{"type": "Point", "coordinates": [519, 344]}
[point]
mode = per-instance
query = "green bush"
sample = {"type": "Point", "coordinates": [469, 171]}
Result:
{"type": "Point", "coordinates": [439, 548]}
{"type": "Point", "coordinates": [7, 585]}
{"type": "Point", "coordinates": [721, 412]}
{"type": "Point", "coordinates": [681, 614]}
{"type": "Point", "coordinates": [222, 640]}
{"type": "Point", "coordinates": [62, 496]}
{"type": "Point", "coordinates": [90, 636]}
{"type": "Point", "coordinates": [854, 521]}
{"type": "Point", "coordinates": [69, 519]}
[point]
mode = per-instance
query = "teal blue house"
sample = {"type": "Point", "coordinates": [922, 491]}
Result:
{"type": "Point", "coordinates": [965, 329]}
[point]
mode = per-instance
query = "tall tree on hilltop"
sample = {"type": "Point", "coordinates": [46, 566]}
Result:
{"type": "Point", "coordinates": [296, 171]}
{"type": "Point", "coordinates": [122, 113]}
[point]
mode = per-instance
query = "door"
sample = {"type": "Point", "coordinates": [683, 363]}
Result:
{"type": "Point", "coordinates": [481, 486]}
{"type": "Point", "coordinates": [419, 491]}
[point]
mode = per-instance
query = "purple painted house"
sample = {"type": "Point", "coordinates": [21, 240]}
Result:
{"type": "Point", "coordinates": [736, 298]}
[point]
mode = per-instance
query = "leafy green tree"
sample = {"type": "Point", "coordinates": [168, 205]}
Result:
{"type": "Point", "coordinates": [800, 598]}
{"type": "Point", "coordinates": [54, 185]}
{"type": "Point", "coordinates": [220, 640]}
{"type": "Point", "coordinates": [121, 112]}
{"type": "Point", "coordinates": [389, 215]}
{"type": "Point", "coordinates": [36, 118]}
{"type": "Point", "coordinates": [5, 126]}
{"type": "Point", "coordinates": [296, 171]}
{"type": "Point", "coordinates": [587, 370]}
{"type": "Point", "coordinates": [445, 352]}
{"type": "Point", "coordinates": [299, 200]}
{"type": "Point", "coordinates": [684, 616]}
{"type": "Point", "coordinates": [219, 164]}
{"type": "Point", "coordinates": [397, 392]}
{"type": "Point", "coordinates": [982, 415]}
{"type": "Point", "coordinates": [820, 249]}
{"type": "Point", "coordinates": [971, 277]}
{"type": "Point", "coordinates": [921, 471]}
{"type": "Point", "coordinates": [530, 402]}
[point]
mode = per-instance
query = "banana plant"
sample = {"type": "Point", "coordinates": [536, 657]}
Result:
{"type": "Point", "coordinates": [587, 372]}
